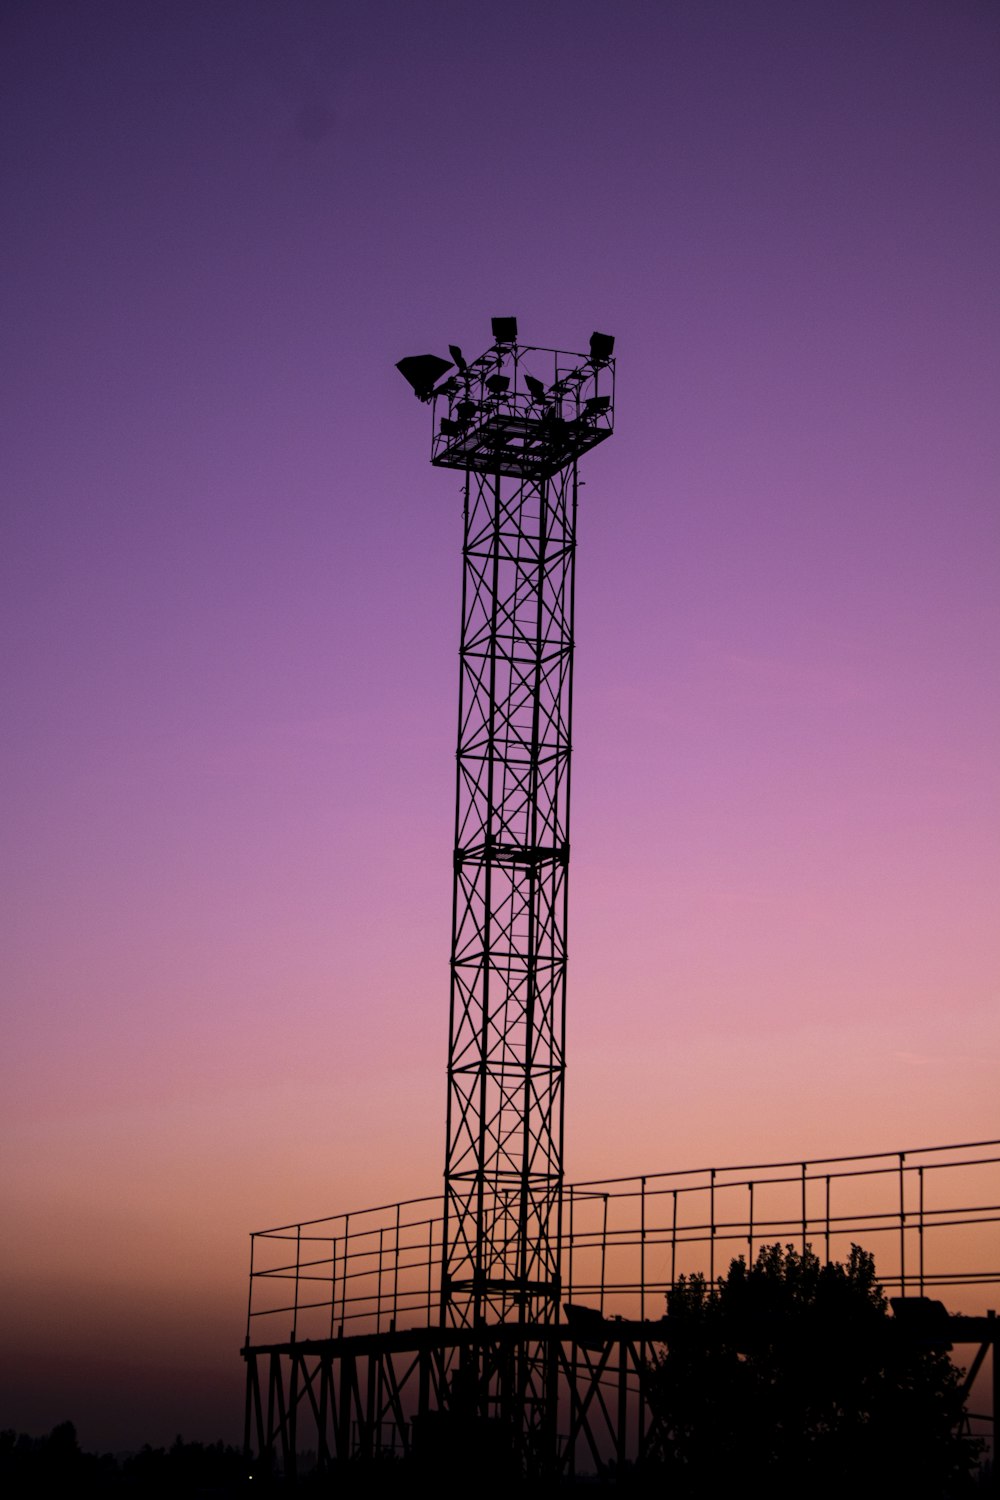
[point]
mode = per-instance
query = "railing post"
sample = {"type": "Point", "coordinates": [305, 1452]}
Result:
{"type": "Point", "coordinates": [673, 1243]}
{"type": "Point", "coordinates": [711, 1219]}
{"type": "Point", "coordinates": [604, 1248]}
{"type": "Point", "coordinates": [298, 1262]}
{"type": "Point", "coordinates": [902, 1226]}
{"type": "Point", "coordinates": [343, 1274]}
{"type": "Point", "coordinates": [430, 1267]}
{"type": "Point", "coordinates": [641, 1363]}
{"type": "Point", "coordinates": [253, 1239]}
{"type": "Point", "coordinates": [396, 1271]}
{"type": "Point", "coordinates": [642, 1250]}
{"type": "Point", "coordinates": [920, 1230]}
{"type": "Point", "coordinates": [750, 1225]}
{"type": "Point", "coordinates": [569, 1268]}
{"type": "Point", "coordinates": [378, 1283]}
{"type": "Point", "coordinates": [333, 1282]}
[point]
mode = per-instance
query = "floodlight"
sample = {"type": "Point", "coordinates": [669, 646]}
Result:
{"type": "Point", "coordinates": [505, 330]}
{"type": "Point", "coordinates": [421, 370]}
{"type": "Point", "coordinates": [597, 404]}
{"type": "Point", "coordinates": [497, 384]}
{"type": "Point", "coordinates": [466, 410]}
{"type": "Point", "coordinates": [602, 347]}
{"type": "Point", "coordinates": [457, 358]}
{"type": "Point", "coordinates": [450, 428]}
{"type": "Point", "coordinates": [535, 388]}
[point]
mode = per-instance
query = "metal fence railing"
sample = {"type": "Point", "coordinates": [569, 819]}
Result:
{"type": "Point", "coordinates": [931, 1218]}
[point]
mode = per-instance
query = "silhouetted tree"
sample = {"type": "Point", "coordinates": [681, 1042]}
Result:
{"type": "Point", "coordinates": [185, 1469]}
{"type": "Point", "coordinates": [56, 1465]}
{"type": "Point", "coordinates": [792, 1373]}
{"type": "Point", "coordinates": [52, 1464]}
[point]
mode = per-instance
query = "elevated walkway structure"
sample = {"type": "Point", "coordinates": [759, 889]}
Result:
{"type": "Point", "coordinates": [347, 1357]}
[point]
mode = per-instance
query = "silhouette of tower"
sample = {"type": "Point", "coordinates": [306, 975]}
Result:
{"type": "Point", "coordinates": [515, 422]}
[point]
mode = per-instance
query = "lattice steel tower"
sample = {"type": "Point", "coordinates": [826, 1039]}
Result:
{"type": "Point", "coordinates": [515, 421]}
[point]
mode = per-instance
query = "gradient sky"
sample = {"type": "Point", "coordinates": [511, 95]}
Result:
{"type": "Point", "coordinates": [230, 612]}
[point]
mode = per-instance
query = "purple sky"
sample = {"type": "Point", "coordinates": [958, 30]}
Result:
{"type": "Point", "coordinates": [230, 612]}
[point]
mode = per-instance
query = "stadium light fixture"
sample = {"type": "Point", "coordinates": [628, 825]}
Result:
{"type": "Point", "coordinates": [602, 346]}
{"type": "Point", "coordinates": [422, 370]}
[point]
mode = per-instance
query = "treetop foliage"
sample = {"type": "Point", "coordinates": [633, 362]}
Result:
{"type": "Point", "coordinates": [792, 1371]}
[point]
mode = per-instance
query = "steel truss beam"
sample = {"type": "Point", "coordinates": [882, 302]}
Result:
{"type": "Point", "coordinates": [534, 1399]}
{"type": "Point", "coordinates": [528, 1395]}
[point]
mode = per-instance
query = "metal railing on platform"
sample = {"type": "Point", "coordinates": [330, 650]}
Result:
{"type": "Point", "coordinates": [930, 1217]}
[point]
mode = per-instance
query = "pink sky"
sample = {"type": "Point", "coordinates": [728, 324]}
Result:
{"type": "Point", "coordinates": [230, 608]}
